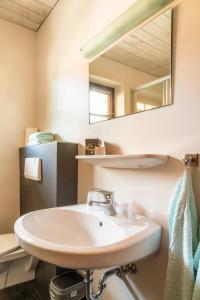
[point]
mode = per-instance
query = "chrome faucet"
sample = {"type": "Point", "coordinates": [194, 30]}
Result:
{"type": "Point", "coordinates": [102, 198]}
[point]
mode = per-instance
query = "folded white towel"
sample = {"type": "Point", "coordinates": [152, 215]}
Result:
{"type": "Point", "coordinates": [32, 168]}
{"type": "Point", "coordinates": [33, 143]}
{"type": "Point", "coordinates": [29, 131]}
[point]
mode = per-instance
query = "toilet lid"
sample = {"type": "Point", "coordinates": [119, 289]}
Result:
{"type": "Point", "coordinates": [8, 243]}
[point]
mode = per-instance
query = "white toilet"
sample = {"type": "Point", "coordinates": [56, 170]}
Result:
{"type": "Point", "coordinates": [16, 265]}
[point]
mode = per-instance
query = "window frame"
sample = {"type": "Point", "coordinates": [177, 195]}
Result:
{"type": "Point", "coordinates": [106, 90]}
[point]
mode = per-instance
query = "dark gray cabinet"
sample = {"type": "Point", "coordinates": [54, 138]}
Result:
{"type": "Point", "coordinates": [58, 186]}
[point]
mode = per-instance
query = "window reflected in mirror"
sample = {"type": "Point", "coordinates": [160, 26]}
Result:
{"type": "Point", "coordinates": [101, 102]}
{"type": "Point", "coordinates": [135, 74]}
{"type": "Point", "coordinates": [152, 95]}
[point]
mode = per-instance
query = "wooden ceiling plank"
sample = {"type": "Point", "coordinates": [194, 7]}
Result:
{"type": "Point", "coordinates": [50, 3]}
{"type": "Point", "coordinates": [35, 6]}
{"type": "Point", "coordinates": [135, 62]}
{"type": "Point", "coordinates": [136, 43]}
{"type": "Point", "coordinates": [148, 38]}
{"type": "Point", "coordinates": [144, 60]}
{"type": "Point", "coordinates": [154, 47]}
{"type": "Point", "coordinates": [163, 22]}
{"type": "Point", "coordinates": [15, 18]}
{"type": "Point", "coordinates": [168, 13]}
{"type": "Point", "coordinates": [146, 56]}
{"type": "Point", "coordinates": [21, 11]}
{"type": "Point", "coordinates": [137, 66]}
{"type": "Point", "coordinates": [139, 51]}
{"type": "Point", "coordinates": [157, 32]}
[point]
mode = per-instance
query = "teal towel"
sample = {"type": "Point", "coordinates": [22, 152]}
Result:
{"type": "Point", "coordinates": [44, 139]}
{"type": "Point", "coordinates": [183, 241]}
{"type": "Point", "coordinates": [41, 137]}
{"type": "Point", "coordinates": [196, 293]}
{"type": "Point", "coordinates": [40, 134]}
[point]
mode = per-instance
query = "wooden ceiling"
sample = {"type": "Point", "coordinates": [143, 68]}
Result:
{"type": "Point", "coordinates": [27, 13]}
{"type": "Point", "coordinates": [147, 49]}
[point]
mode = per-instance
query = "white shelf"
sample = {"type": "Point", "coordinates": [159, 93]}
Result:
{"type": "Point", "coordinates": [130, 161]}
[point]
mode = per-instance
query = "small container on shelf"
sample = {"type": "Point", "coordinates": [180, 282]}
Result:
{"type": "Point", "coordinates": [100, 150]}
{"type": "Point", "coordinates": [90, 145]}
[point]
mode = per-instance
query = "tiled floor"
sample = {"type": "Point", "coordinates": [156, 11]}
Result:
{"type": "Point", "coordinates": [23, 291]}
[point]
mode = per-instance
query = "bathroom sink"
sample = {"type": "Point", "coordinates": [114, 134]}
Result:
{"type": "Point", "coordinates": [80, 237]}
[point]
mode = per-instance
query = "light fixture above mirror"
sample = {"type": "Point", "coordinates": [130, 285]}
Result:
{"type": "Point", "coordinates": [135, 15]}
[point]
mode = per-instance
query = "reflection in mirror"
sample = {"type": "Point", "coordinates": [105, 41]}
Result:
{"type": "Point", "coordinates": [102, 102]}
{"type": "Point", "coordinates": [151, 95]}
{"type": "Point", "coordinates": [135, 74]}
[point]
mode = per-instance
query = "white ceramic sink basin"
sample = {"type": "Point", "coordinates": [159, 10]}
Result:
{"type": "Point", "coordinates": [80, 237]}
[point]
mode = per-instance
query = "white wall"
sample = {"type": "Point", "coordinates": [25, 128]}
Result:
{"type": "Point", "coordinates": [17, 111]}
{"type": "Point", "coordinates": [173, 130]}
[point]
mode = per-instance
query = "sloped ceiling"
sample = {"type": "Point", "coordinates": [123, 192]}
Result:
{"type": "Point", "coordinates": [27, 13]}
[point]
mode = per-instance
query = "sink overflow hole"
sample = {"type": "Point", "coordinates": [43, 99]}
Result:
{"type": "Point", "coordinates": [100, 224]}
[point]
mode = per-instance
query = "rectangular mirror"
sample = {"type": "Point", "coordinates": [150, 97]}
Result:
{"type": "Point", "coordinates": [135, 74]}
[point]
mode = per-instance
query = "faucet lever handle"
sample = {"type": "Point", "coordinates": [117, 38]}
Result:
{"type": "Point", "coordinates": [96, 195]}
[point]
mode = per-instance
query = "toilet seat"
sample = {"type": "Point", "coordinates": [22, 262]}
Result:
{"type": "Point", "coordinates": [8, 243]}
{"type": "Point", "coordinates": [16, 265]}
